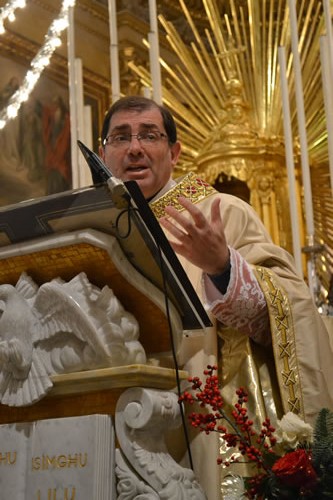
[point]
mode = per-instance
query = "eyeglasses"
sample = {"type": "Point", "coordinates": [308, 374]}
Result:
{"type": "Point", "coordinates": [148, 138]}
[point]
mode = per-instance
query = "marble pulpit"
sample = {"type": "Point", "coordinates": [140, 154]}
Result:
{"type": "Point", "coordinates": [85, 328]}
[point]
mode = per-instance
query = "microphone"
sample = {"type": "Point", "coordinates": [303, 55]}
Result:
{"type": "Point", "coordinates": [100, 174]}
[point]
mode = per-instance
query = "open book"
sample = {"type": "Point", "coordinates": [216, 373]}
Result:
{"type": "Point", "coordinates": [58, 458]}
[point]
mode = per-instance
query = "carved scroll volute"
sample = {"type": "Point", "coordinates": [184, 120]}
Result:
{"type": "Point", "coordinates": [143, 416]}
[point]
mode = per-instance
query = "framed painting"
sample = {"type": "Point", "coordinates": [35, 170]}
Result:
{"type": "Point", "coordinates": [35, 148]}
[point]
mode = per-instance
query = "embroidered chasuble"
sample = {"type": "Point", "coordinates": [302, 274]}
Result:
{"type": "Point", "coordinates": [293, 371]}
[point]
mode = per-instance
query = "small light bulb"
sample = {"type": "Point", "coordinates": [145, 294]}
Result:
{"type": "Point", "coordinates": [12, 111]}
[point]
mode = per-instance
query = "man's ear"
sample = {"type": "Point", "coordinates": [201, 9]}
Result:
{"type": "Point", "coordinates": [175, 153]}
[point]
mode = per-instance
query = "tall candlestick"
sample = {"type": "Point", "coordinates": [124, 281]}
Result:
{"type": "Point", "coordinates": [147, 92]}
{"type": "Point", "coordinates": [153, 16]}
{"type": "Point", "coordinates": [114, 56]}
{"type": "Point", "coordinates": [88, 141]}
{"type": "Point", "coordinates": [301, 123]}
{"type": "Point", "coordinates": [290, 162]}
{"type": "Point", "coordinates": [79, 98]}
{"type": "Point", "coordinates": [72, 98]}
{"type": "Point", "coordinates": [328, 98]}
{"type": "Point", "coordinates": [326, 48]}
{"type": "Point", "coordinates": [154, 53]}
{"type": "Point", "coordinates": [329, 34]}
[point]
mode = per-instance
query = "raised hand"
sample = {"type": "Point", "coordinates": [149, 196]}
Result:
{"type": "Point", "coordinates": [199, 240]}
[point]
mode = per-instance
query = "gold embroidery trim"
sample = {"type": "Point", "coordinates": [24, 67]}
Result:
{"type": "Point", "coordinates": [190, 186]}
{"type": "Point", "coordinates": [283, 341]}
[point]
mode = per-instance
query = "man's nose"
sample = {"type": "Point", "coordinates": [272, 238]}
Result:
{"type": "Point", "coordinates": [135, 144]}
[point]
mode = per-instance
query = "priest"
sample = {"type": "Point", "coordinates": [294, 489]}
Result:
{"type": "Point", "coordinates": [267, 335]}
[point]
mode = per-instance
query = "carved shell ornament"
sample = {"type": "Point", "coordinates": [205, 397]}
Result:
{"type": "Point", "coordinates": [60, 327]}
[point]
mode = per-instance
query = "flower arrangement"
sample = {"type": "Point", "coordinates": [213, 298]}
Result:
{"type": "Point", "coordinates": [293, 461]}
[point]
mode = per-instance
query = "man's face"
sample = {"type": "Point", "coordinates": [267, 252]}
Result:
{"type": "Point", "coordinates": [149, 165]}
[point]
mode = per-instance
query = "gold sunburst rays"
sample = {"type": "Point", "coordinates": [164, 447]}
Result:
{"type": "Point", "coordinates": [202, 78]}
{"type": "Point", "coordinates": [243, 43]}
{"type": "Point", "coordinates": [266, 29]}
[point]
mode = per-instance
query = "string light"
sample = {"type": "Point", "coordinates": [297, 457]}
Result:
{"type": "Point", "coordinates": [8, 12]}
{"type": "Point", "coordinates": [39, 62]}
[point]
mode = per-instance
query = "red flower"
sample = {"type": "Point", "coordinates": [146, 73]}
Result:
{"type": "Point", "coordinates": [295, 469]}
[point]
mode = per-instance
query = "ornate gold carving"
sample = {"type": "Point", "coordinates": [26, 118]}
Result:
{"type": "Point", "coordinates": [234, 127]}
{"type": "Point", "coordinates": [265, 186]}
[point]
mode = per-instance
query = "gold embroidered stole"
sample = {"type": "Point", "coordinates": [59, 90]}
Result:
{"type": "Point", "coordinates": [190, 186]}
{"type": "Point", "coordinates": [283, 341]}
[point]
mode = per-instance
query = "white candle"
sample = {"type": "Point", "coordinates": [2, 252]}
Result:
{"type": "Point", "coordinates": [88, 141]}
{"type": "Point", "coordinates": [290, 162]}
{"type": "Point", "coordinates": [154, 53]}
{"type": "Point", "coordinates": [329, 33]}
{"type": "Point", "coordinates": [326, 48]}
{"type": "Point", "coordinates": [301, 123]}
{"type": "Point", "coordinates": [79, 98]}
{"type": "Point", "coordinates": [114, 56]}
{"type": "Point", "coordinates": [72, 98]}
{"type": "Point", "coordinates": [328, 99]}
{"type": "Point", "coordinates": [153, 16]}
{"type": "Point", "coordinates": [147, 92]}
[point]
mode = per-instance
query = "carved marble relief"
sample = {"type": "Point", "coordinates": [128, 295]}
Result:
{"type": "Point", "coordinates": [144, 467]}
{"type": "Point", "coordinates": [60, 327]}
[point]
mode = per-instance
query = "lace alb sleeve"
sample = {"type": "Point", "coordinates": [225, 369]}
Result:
{"type": "Point", "coordinates": [243, 306]}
